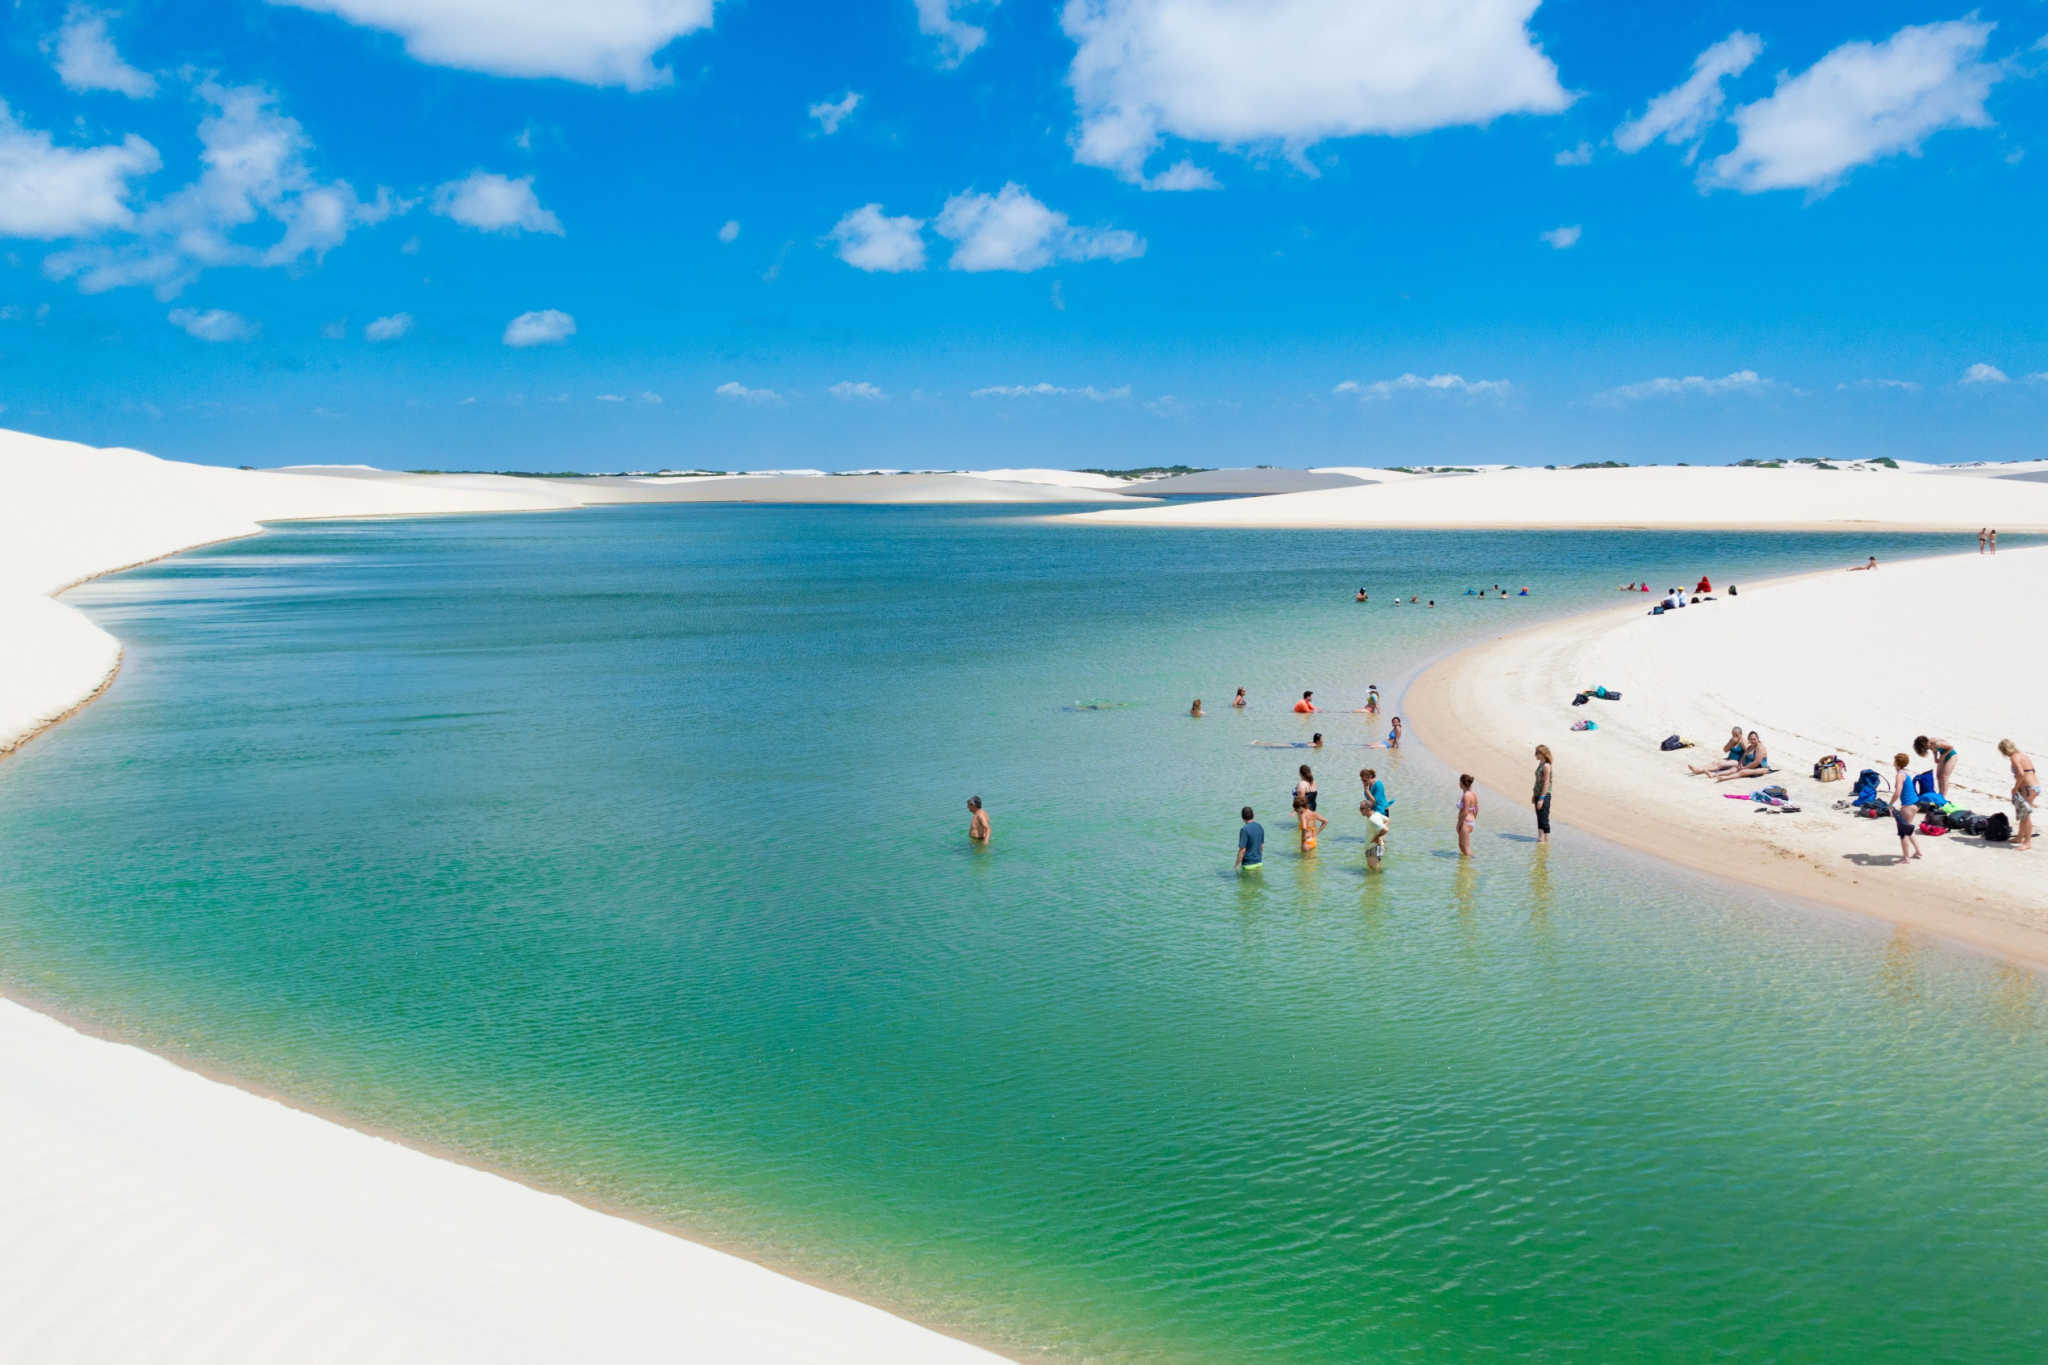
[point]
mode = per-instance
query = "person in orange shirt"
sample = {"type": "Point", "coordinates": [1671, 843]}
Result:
{"type": "Point", "coordinates": [1306, 705]}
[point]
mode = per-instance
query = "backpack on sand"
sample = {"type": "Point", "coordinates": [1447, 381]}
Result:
{"type": "Point", "coordinates": [1671, 743]}
{"type": "Point", "coordinates": [1997, 829]}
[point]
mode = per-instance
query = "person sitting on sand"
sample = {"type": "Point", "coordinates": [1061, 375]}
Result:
{"type": "Point", "coordinates": [1305, 790]}
{"type": "Point", "coordinates": [1196, 709]}
{"type": "Point", "coordinates": [1306, 706]}
{"type": "Point", "coordinates": [1468, 814]}
{"type": "Point", "coordinates": [1862, 568]}
{"type": "Point", "coordinates": [1944, 755]}
{"type": "Point", "coordinates": [1309, 822]}
{"type": "Point", "coordinates": [1730, 760]}
{"type": "Point", "coordinates": [977, 821]}
{"type": "Point", "coordinates": [1251, 843]}
{"type": "Point", "coordinates": [1393, 740]}
{"type": "Point", "coordinates": [1755, 761]}
{"type": "Point", "coordinates": [1905, 815]}
{"type": "Point", "coordinates": [2026, 793]}
{"type": "Point", "coordinates": [1705, 585]}
{"type": "Point", "coordinates": [1238, 700]}
{"type": "Point", "coordinates": [1372, 700]}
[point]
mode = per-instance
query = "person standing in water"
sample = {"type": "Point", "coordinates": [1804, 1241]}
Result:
{"type": "Point", "coordinates": [1196, 709]}
{"type": "Point", "coordinates": [1994, 540]}
{"type": "Point", "coordinates": [1251, 843]}
{"type": "Point", "coordinates": [1306, 706]}
{"type": "Point", "coordinates": [1377, 802]}
{"type": "Point", "coordinates": [1540, 798]}
{"type": "Point", "coordinates": [1468, 814]}
{"type": "Point", "coordinates": [1305, 790]}
{"type": "Point", "coordinates": [1309, 822]}
{"type": "Point", "coordinates": [1238, 700]}
{"type": "Point", "coordinates": [978, 830]}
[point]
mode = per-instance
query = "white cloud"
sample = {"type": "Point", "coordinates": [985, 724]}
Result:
{"type": "Point", "coordinates": [1742, 381]}
{"type": "Point", "coordinates": [1581, 155]}
{"type": "Point", "coordinates": [1860, 103]}
{"type": "Point", "coordinates": [1415, 383]}
{"type": "Point", "coordinates": [388, 328]}
{"type": "Point", "coordinates": [593, 42]}
{"type": "Point", "coordinates": [1044, 390]}
{"type": "Point", "coordinates": [730, 233]}
{"type": "Point", "coordinates": [740, 393]}
{"type": "Point", "coordinates": [1903, 385]}
{"type": "Point", "coordinates": [490, 202]}
{"type": "Point", "coordinates": [2039, 376]}
{"type": "Point", "coordinates": [255, 170]}
{"type": "Point", "coordinates": [833, 113]}
{"type": "Point", "coordinates": [850, 389]}
{"type": "Point", "coordinates": [86, 58]}
{"type": "Point", "coordinates": [957, 38]}
{"type": "Point", "coordinates": [1182, 175]}
{"type": "Point", "coordinates": [1292, 73]}
{"type": "Point", "coordinates": [871, 240]}
{"type": "Point", "coordinates": [51, 191]}
{"type": "Point", "coordinates": [1563, 237]}
{"type": "Point", "coordinates": [1980, 373]}
{"type": "Point", "coordinates": [650, 397]}
{"type": "Point", "coordinates": [1011, 230]}
{"type": "Point", "coordinates": [543, 327]}
{"type": "Point", "coordinates": [1682, 113]}
{"type": "Point", "coordinates": [214, 324]}
{"type": "Point", "coordinates": [611, 398]}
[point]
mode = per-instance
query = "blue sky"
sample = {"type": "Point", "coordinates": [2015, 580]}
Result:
{"type": "Point", "coordinates": [918, 233]}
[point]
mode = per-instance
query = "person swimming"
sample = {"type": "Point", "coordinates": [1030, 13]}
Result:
{"type": "Point", "coordinates": [977, 821]}
{"type": "Point", "coordinates": [1238, 700]}
{"type": "Point", "coordinates": [1306, 706]}
{"type": "Point", "coordinates": [1196, 709]}
{"type": "Point", "coordinates": [1361, 596]}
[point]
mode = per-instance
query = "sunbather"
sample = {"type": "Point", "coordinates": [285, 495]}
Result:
{"type": "Point", "coordinates": [1730, 760]}
{"type": "Point", "coordinates": [1756, 761]}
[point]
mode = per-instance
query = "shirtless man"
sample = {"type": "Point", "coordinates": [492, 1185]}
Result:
{"type": "Point", "coordinates": [977, 821]}
{"type": "Point", "coordinates": [2026, 792]}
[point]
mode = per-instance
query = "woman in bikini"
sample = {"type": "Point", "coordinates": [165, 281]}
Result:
{"type": "Point", "coordinates": [1238, 700]}
{"type": "Point", "coordinates": [1944, 755]}
{"type": "Point", "coordinates": [1305, 790]}
{"type": "Point", "coordinates": [1309, 822]}
{"type": "Point", "coordinates": [1730, 760]}
{"type": "Point", "coordinates": [1756, 761]}
{"type": "Point", "coordinates": [1468, 814]}
{"type": "Point", "coordinates": [2026, 793]}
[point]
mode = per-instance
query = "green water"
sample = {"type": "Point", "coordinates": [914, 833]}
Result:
{"type": "Point", "coordinates": [624, 850]}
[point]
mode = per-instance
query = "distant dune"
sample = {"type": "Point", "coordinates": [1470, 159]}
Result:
{"type": "Point", "coordinates": [1241, 482]}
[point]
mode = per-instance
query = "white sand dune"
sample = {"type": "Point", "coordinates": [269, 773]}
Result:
{"type": "Point", "coordinates": [1064, 478]}
{"type": "Point", "coordinates": [903, 490]}
{"type": "Point", "coordinates": [153, 1214]}
{"type": "Point", "coordinates": [1650, 497]}
{"type": "Point", "coordinates": [1242, 483]}
{"type": "Point", "coordinates": [1850, 663]}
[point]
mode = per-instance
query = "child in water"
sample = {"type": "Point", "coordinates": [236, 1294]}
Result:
{"type": "Point", "coordinates": [1309, 821]}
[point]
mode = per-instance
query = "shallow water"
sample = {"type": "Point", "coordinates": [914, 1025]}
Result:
{"type": "Point", "coordinates": [623, 849]}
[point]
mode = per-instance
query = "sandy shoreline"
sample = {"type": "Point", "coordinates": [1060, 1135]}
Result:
{"type": "Point", "coordinates": [155, 1213]}
{"type": "Point", "coordinates": [1816, 664]}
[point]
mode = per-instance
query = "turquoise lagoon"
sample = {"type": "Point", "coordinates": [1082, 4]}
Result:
{"type": "Point", "coordinates": [623, 851]}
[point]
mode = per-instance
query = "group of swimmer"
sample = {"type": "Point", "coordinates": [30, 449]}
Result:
{"type": "Point", "coordinates": [1497, 592]}
{"type": "Point", "coordinates": [1307, 707]}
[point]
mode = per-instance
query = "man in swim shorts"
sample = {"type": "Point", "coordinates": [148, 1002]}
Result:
{"type": "Point", "coordinates": [1251, 842]}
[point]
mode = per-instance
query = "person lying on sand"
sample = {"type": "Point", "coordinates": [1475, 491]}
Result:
{"type": "Point", "coordinates": [2026, 793]}
{"type": "Point", "coordinates": [1755, 761]}
{"type": "Point", "coordinates": [1730, 760]}
{"type": "Point", "coordinates": [1861, 568]}
{"type": "Point", "coordinates": [1944, 755]}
